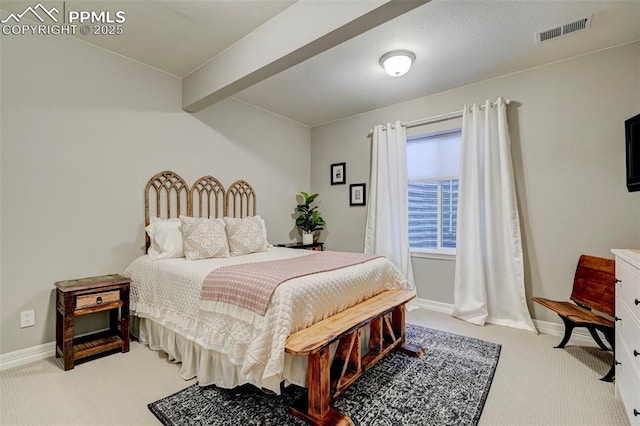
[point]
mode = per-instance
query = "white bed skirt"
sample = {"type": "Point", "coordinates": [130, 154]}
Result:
{"type": "Point", "coordinates": [208, 366]}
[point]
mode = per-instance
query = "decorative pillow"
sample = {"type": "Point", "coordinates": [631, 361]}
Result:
{"type": "Point", "coordinates": [166, 238]}
{"type": "Point", "coordinates": [246, 235]}
{"type": "Point", "coordinates": [264, 228]}
{"type": "Point", "coordinates": [204, 238]}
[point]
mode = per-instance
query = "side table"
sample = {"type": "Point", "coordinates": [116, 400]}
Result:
{"type": "Point", "coordinates": [313, 246]}
{"type": "Point", "coordinates": [86, 296]}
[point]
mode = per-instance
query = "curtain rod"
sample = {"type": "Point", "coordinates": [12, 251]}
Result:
{"type": "Point", "coordinates": [437, 118]}
{"type": "Point", "coordinates": [434, 119]}
{"type": "Point", "coordinates": [442, 117]}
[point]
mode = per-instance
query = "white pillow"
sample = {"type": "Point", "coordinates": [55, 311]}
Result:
{"type": "Point", "coordinates": [204, 238]}
{"type": "Point", "coordinates": [166, 238]}
{"type": "Point", "coordinates": [246, 235]}
{"type": "Point", "coordinates": [264, 230]}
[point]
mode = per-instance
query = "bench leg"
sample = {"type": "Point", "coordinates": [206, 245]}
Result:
{"type": "Point", "coordinates": [609, 335]}
{"type": "Point", "coordinates": [611, 374]}
{"type": "Point", "coordinates": [398, 319]}
{"type": "Point", "coordinates": [595, 336]}
{"type": "Point", "coordinates": [316, 410]}
{"type": "Point", "coordinates": [568, 329]}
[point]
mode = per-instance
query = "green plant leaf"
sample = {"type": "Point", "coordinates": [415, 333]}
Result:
{"type": "Point", "coordinates": [309, 220]}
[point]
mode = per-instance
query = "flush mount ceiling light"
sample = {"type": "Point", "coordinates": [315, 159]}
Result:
{"type": "Point", "coordinates": [397, 62]}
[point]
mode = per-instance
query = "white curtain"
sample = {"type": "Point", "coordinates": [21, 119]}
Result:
{"type": "Point", "coordinates": [489, 280]}
{"type": "Point", "coordinates": [387, 231]}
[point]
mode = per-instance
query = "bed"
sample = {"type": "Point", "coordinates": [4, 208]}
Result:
{"type": "Point", "coordinates": [218, 348]}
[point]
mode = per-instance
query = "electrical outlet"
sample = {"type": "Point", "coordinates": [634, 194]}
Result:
{"type": "Point", "coordinates": [27, 318]}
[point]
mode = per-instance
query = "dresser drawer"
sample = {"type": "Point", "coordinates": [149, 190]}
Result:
{"type": "Point", "coordinates": [628, 287]}
{"type": "Point", "coordinates": [628, 381]}
{"type": "Point", "coordinates": [96, 299]}
{"type": "Point", "coordinates": [628, 327]}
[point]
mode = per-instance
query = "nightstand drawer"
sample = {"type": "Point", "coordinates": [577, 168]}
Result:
{"type": "Point", "coordinates": [97, 299]}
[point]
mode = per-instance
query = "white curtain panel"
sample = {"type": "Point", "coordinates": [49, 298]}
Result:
{"type": "Point", "coordinates": [489, 279]}
{"type": "Point", "coordinates": [387, 230]}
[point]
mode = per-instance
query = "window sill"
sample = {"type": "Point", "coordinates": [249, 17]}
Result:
{"type": "Point", "coordinates": [432, 254]}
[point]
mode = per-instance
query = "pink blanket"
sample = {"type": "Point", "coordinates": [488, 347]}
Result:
{"type": "Point", "coordinates": [245, 290]}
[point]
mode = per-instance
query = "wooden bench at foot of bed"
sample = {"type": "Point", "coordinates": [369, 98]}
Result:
{"type": "Point", "coordinates": [386, 314]}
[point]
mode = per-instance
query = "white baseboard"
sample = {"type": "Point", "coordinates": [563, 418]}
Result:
{"type": "Point", "coordinates": [544, 327]}
{"type": "Point", "coordinates": [432, 305]}
{"type": "Point", "coordinates": [27, 355]}
{"type": "Point", "coordinates": [557, 329]}
{"type": "Point", "coordinates": [46, 350]}
{"type": "Point", "coordinates": [34, 353]}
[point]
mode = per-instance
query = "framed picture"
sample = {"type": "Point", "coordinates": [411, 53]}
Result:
{"type": "Point", "coordinates": [338, 174]}
{"type": "Point", "coordinates": [358, 194]}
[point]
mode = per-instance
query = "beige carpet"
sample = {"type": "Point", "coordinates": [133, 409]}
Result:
{"type": "Point", "coordinates": [534, 384]}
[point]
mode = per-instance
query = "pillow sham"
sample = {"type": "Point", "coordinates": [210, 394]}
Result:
{"type": "Point", "coordinates": [166, 238]}
{"type": "Point", "coordinates": [264, 227]}
{"type": "Point", "coordinates": [204, 238]}
{"type": "Point", "coordinates": [246, 235]}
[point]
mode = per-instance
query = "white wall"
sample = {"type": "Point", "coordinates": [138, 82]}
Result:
{"type": "Point", "coordinates": [566, 124]}
{"type": "Point", "coordinates": [82, 132]}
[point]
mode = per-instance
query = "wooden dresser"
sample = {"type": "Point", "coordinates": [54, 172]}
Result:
{"type": "Point", "coordinates": [627, 356]}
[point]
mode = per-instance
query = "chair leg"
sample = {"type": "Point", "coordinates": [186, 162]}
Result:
{"type": "Point", "coordinates": [609, 376]}
{"type": "Point", "coordinates": [595, 336]}
{"type": "Point", "coordinates": [611, 338]}
{"type": "Point", "coordinates": [568, 329]}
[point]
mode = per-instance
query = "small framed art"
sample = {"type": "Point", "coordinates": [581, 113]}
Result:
{"type": "Point", "coordinates": [338, 173]}
{"type": "Point", "coordinates": [358, 194]}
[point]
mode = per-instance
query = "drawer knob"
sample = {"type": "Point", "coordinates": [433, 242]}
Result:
{"type": "Point", "coordinates": [637, 302]}
{"type": "Point", "coordinates": [636, 412]}
{"type": "Point", "coordinates": [618, 281]}
{"type": "Point", "coordinates": [616, 362]}
{"type": "Point", "coordinates": [99, 300]}
{"type": "Point", "coordinates": [636, 353]}
{"type": "Point", "coordinates": [617, 318]}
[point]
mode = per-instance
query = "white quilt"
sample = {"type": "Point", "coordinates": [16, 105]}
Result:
{"type": "Point", "coordinates": [167, 291]}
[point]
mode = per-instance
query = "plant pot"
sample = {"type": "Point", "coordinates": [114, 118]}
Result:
{"type": "Point", "coordinates": [307, 238]}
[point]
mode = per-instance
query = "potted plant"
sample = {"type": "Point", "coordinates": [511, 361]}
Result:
{"type": "Point", "coordinates": [308, 220]}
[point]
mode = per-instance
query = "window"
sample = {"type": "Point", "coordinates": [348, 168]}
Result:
{"type": "Point", "coordinates": [433, 167]}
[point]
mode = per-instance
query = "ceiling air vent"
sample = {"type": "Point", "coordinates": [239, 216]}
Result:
{"type": "Point", "coordinates": [564, 29]}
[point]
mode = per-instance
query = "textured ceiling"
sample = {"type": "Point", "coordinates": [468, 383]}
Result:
{"type": "Point", "coordinates": [456, 42]}
{"type": "Point", "coordinates": [175, 36]}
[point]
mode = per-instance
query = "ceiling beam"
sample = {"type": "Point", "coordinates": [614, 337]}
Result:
{"type": "Point", "coordinates": [303, 30]}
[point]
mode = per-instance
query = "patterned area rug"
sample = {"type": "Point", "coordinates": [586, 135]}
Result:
{"type": "Point", "coordinates": [448, 386]}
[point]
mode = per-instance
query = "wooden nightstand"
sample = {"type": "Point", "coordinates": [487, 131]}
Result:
{"type": "Point", "coordinates": [86, 296]}
{"type": "Point", "coordinates": [312, 246]}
